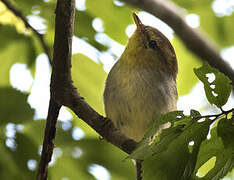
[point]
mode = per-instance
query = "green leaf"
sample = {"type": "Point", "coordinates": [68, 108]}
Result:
{"type": "Point", "coordinates": [185, 82]}
{"type": "Point", "coordinates": [82, 25]}
{"type": "Point", "coordinates": [226, 131]}
{"type": "Point", "coordinates": [179, 159]}
{"type": "Point", "coordinates": [115, 18]}
{"type": "Point", "coordinates": [67, 160]}
{"type": "Point", "coordinates": [15, 47]}
{"type": "Point", "coordinates": [14, 107]}
{"type": "Point", "coordinates": [89, 77]}
{"type": "Point", "coordinates": [26, 6]}
{"type": "Point", "coordinates": [217, 28]}
{"type": "Point", "coordinates": [217, 91]}
{"type": "Point", "coordinates": [224, 159]}
{"type": "Point", "coordinates": [8, 168]}
{"type": "Point", "coordinates": [13, 162]}
{"type": "Point", "coordinates": [143, 146]}
{"type": "Point", "coordinates": [195, 113]}
{"type": "Point", "coordinates": [84, 29]}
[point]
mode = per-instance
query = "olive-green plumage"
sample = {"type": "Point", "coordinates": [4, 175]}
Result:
{"type": "Point", "coordinates": [142, 84]}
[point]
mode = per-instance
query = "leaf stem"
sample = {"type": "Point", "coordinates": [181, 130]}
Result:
{"type": "Point", "coordinates": [218, 115]}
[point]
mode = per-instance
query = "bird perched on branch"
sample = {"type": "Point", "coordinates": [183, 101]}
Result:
{"type": "Point", "coordinates": [142, 84]}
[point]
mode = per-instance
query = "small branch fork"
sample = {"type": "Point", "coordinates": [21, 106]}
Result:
{"type": "Point", "coordinates": [17, 13]}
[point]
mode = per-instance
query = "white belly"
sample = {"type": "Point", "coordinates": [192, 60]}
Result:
{"type": "Point", "coordinates": [133, 103]}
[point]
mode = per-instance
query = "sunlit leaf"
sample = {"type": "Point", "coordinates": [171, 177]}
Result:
{"type": "Point", "coordinates": [84, 29]}
{"type": "Point", "coordinates": [217, 90]}
{"type": "Point", "coordinates": [15, 47]}
{"type": "Point", "coordinates": [89, 77]}
{"type": "Point", "coordinates": [115, 18]}
{"type": "Point", "coordinates": [217, 28]}
{"type": "Point", "coordinates": [186, 62]}
{"type": "Point", "coordinates": [210, 148]}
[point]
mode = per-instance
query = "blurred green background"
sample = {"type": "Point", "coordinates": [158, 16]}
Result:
{"type": "Point", "coordinates": [101, 30]}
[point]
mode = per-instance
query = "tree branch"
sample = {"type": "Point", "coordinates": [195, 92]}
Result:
{"type": "Point", "coordinates": [17, 13]}
{"type": "Point", "coordinates": [200, 45]}
{"type": "Point", "coordinates": [49, 136]}
{"type": "Point", "coordinates": [64, 93]}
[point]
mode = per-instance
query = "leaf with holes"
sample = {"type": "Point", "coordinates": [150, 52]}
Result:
{"type": "Point", "coordinates": [214, 159]}
{"type": "Point", "coordinates": [217, 90]}
{"type": "Point", "coordinates": [177, 161]}
{"type": "Point", "coordinates": [156, 127]}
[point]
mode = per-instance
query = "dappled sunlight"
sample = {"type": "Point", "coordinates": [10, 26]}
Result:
{"type": "Point", "coordinates": [77, 152]}
{"type": "Point", "coordinates": [77, 133]}
{"type": "Point", "coordinates": [57, 153]}
{"type": "Point", "coordinates": [193, 20]}
{"type": "Point", "coordinates": [81, 46]}
{"type": "Point", "coordinates": [20, 77]}
{"type": "Point", "coordinates": [80, 5]}
{"type": "Point", "coordinates": [37, 23]}
{"type": "Point", "coordinates": [40, 93]}
{"type": "Point", "coordinates": [99, 172]}
{"type": "Point", "coordinates": [206, 167]}
{"type": "Point", "coordinates": [32, 164]}
{"type": "Point", "coordinates": [228, 55]}
{"type": "Point", "coordinates": [97, 24]}
{"type": "Point", "coordinates": [151, 20]}
{"type": "Point", "coordinates": [196, 99]}
{"type": "Point", "coordinates": [223, 7]}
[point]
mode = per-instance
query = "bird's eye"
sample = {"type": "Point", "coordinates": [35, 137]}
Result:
{"type": "Point", "coordinates": [153, 44]}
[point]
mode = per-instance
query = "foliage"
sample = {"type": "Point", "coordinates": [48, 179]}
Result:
{"type": "Point", "coordinates": [217, 91]}
{"type": "Point", "coordinates": [21, 135]}
{"type": "Point", "coordinates": [180, 151]}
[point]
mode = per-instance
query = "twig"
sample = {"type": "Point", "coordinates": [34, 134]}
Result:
{"type": "Point", "coordinates": [40, 36]}
{"type": "Point", "coordinates": [216, 116]}
{"type": "Point", "coordinates": [200, 45]}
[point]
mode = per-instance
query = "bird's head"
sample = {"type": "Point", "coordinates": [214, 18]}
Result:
{"type": "Point", "coordinates": [148, 46]}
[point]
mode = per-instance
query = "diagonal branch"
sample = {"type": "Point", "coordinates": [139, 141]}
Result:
{"type": "Point", "coordinates": [64, 93]}
{"type": "Point", "coordinates": [200, 45]}
{"type": "Point", "coordinates": [17, 13]}
{"type": "Point", "coordinates": [62, 88]}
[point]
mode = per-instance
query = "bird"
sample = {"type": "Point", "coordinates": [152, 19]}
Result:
{"type": "Point", "coordinates": [141, 85]}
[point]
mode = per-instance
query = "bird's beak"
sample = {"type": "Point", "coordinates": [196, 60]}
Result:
{"type": "Point", "coordinates": [138, 23]}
